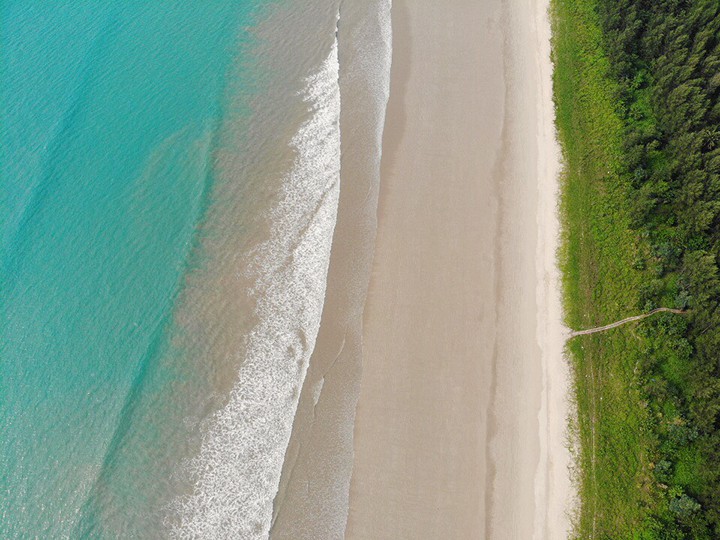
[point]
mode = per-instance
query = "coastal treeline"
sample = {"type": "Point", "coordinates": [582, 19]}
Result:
{"type": "Point", "coordinates": [637, 88]}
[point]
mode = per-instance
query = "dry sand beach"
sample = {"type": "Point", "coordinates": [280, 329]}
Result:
{"type": "Point", "coordinates": [456, 352]}
{"type": "Point", "coordinates": [459, 429]}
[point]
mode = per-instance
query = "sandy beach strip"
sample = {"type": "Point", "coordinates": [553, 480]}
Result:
{"type": "Point", "coordinates": [459, 428]}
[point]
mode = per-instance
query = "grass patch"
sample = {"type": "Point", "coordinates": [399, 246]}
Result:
{"type": "Point", "coordinates": [601, 284]}
{"type": "Point", "coordinates": [638, 105]}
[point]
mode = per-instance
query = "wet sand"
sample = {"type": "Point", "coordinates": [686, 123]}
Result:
{"type": "Point", "coordinates": [312, 499]}
{"type": "Point", "coordinates": [459, 430]}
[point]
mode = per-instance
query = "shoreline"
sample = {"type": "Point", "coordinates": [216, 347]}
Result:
{"type": "Point", "coordinates": [467, 212]}
{"type": "Point", "coordinates": [311, 501]}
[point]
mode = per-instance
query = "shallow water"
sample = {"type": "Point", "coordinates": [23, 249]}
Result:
{"type": "Point", "coordinates": [169, 189]}
{"type": "Point", "coordinates": [109, 125]}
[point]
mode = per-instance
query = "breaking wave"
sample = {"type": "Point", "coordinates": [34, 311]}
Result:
{"type": "Point", "coordinates": [237, 471]}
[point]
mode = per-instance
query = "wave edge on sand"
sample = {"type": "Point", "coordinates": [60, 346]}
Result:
{"type": "Point", "coordinates": [237, 470]}
{"type": "Point", "coordinates": [312, 501]}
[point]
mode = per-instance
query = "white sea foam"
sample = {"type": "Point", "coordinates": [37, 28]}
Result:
{"type": "Point", "coordinates": [238, 468]}
{"type": "Point", "coordinates": [321, 448]}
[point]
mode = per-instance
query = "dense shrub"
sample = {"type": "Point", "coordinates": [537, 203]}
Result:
{"type": "Point", "coordinates": [665, 58]}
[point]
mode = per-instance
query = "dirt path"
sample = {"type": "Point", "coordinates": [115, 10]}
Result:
{"type": "Point", "coordinates": [623, 321]}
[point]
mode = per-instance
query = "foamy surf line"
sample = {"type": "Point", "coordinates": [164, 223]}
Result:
{"type": "Point", "coordinates": [238, 468]}
{"type": "Point", "coordinates": [313, 498]}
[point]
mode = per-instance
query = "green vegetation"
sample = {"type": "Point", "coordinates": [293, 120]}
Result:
{"type": "Point", "coordinates": [637, 89]}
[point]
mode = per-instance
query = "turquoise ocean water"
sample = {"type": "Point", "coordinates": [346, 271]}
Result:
{"type": "Point", "coordinates": [108, 134]}
{"type": "Point", "coordinates": [170, 180]}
